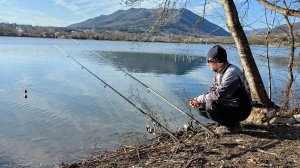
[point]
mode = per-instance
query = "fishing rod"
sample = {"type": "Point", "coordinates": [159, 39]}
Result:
{"type": "Point", "coordinates": [113, 89]}
{"type": "Point", "coordinates": [149, 89]}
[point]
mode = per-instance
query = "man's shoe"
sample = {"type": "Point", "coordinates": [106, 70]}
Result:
{"type": "Point", "coordinates": [222, 130]}
{"type": "Point", "coordinates": [236, 128]}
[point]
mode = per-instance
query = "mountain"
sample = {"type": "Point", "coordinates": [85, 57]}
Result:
{"type": "Point", "coordinates": [140, 20]}
{"type": "Point", "coordinates": [281, 29]}
{"type": "Point", "coordinates": [259, 31]}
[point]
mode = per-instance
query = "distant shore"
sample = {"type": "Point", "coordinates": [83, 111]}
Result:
{"type": "Point", "coordinates": [273, 40]}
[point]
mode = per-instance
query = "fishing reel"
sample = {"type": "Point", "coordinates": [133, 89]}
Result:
{"type": "Point", "coordinates": [151, 129]}
{"type": "Point", "coordinates": [188, 126]}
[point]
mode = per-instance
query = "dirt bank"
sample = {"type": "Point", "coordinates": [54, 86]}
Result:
{"type": "Point", "coordinates": [255, 146]}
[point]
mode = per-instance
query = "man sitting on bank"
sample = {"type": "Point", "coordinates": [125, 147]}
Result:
{"type": "Point", "coordinates": [228, 100]}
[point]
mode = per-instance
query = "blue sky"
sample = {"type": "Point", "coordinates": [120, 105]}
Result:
{"type": "Point", "coordinates": [66, 12]}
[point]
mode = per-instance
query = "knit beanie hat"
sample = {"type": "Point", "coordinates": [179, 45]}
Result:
{"type": "Point", "coordinates": [217, 54]}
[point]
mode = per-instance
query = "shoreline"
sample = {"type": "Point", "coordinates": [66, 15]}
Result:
{"type": "Point", "coordinates": [184, 40]}
{"type": "Point", "coordinates": [256, 146]}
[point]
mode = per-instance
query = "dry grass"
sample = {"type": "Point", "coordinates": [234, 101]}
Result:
{"type": "Point", "coordinates": [256, 146]}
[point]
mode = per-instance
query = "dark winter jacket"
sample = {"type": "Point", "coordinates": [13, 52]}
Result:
{"type": "Point", "coordinates": [229, 86]}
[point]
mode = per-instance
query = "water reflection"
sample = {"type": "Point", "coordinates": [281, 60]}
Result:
{"type": "Point", "coordinates": [154, 62]}
{"type": "Point", "coordinates": [278, 61]}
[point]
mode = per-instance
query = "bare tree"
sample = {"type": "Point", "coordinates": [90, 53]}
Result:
{"type": "Point", "coordinates": [270, 29]}
{"type": "Point", "coordinates": [291, 60]}
{"type": "Point", "coordinates": [287, 11]}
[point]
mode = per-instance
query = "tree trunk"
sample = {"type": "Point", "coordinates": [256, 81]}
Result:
{"type": "Point", "coordinates": [290, 64]}
{"type": "Point", "coordinates": [268, 65]}
{"type": "Point", "coordinates": [257, 88]}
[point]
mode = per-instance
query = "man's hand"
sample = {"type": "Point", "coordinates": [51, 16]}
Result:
{"type": "Point", "coordinates": [194, 103]}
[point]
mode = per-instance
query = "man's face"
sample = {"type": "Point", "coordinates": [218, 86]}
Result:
{"type": "Point", "coordinates": [214, 66]}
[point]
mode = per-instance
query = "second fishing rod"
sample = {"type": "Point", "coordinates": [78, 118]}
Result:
{"type": "Point", "coordinates": [113, 89]}
{"type": "Point", "coordinates": [211, 133]}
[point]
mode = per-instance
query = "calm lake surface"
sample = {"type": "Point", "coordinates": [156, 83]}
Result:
{"type": "Point", "coordinates": [69, 114]}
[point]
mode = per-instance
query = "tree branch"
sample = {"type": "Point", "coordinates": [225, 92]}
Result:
{"type": "Point", "coordinates": [287, 12]}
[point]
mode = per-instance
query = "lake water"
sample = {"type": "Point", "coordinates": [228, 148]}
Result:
{"type": "Point", "coordinates": [69, 114]}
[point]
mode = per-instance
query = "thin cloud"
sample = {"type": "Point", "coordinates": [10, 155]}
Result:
{"type": "Point", "coordinates": [213, 12]}
{"type": "Point", "coordinates": [69, 5]}
{"type": "Point", "coordinates": [29, 17]}
{"type": "Point", "coordinates": [87, 8]}
{"type": "Point", "coordinates": [96, 7]}
{"type": "Point", "coordinates": [211, 8]}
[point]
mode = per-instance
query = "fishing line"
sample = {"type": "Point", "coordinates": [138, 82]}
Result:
{"type": "Point", "coordinates": [113, 89]}
{"type": "Point", "coordinates": [148, 88]}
